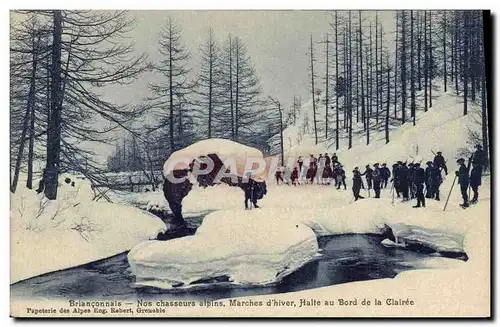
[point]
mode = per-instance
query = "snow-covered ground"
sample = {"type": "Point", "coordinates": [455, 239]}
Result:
{"type": "Point", "coordinates": [72, 230]}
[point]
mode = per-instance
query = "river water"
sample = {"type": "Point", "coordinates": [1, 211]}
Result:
{"type": "Point", "coordinates": [346, 258]}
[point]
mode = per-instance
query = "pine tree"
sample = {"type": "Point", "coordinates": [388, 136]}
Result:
{"type": "Point", "coordinates": [412, 75]}
{"type": "Point", "coordinates": [363, 110]}
{"type": "Point", "coordinates": [337, 78]}
{"type": "Point", "coordinates": [311, 55]}
{"type": "Point", "coordinates": [444, 27]}
{"type": "Point", "coordinates": [396, 68]}
{"type": "Point", "coordinates": [465, 59]}
{"type": "Point", "coordinates": [403, 67]}
{"type": "Point", "coordinates": [173, 88]}
{"type": "Point", "coordinates": [209, 88]}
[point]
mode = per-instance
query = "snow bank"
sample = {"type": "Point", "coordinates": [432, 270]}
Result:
{"type": "Point", "coordinates": [247, 248]}
{"type": "Point", "coordinates": [72, 230]}
{"type": "Point", "coordinates": [225, 149]}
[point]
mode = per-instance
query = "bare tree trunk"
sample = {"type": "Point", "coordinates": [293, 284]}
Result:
{"type": "Point", "coordinates": [403, 68]}
{"type": "Point", "coordinates": [430, 70]}
{"type": "Point", "coordinates": [377, 100]}
{"type": "Point", "coordinates": [350, 83]}
{"type": "Point", "coordinates": [456, 48]}
{"type": "Point", "coordinates": [29, 181]}
{"type": "Point", "coordinates": [412, 73]}
{"type": "Point", "coordinates": [23, 138]}
{"type": "Point", "coordinates": [337, 78]}
{"type": "Point", "coordinates": [419, 50]}
{"type": "Point", "coordinates": [363, 110]}
{"type": "Point", "coordinates": [237, 95]}
{"type": "Point", "coordinates": [396, 70]}
{"type": "Point", "coordinates": [388, 102]}
{"type": "Point", "coordinates": [369, 91]}
{"type": "Point", "coordinates": [312, 89]}
{"type": "Point", "coordinates": [484, 110]}
{"type": "Point", "coordinates": [426, 63]}
{"type": "Point", "coordinates": [327, 86]}
{"type": "Point", "coordinates": [50, 178]}
{"type": "Point", "coordinates": [472, 55]}
{"type": "Point", "coordinates": [231, 86]}
{"type": "Point", "coordinates": [210, 85]}
{"type": "Point", "coordinates": [445, 73]}
{"type": "Point", "coordinates": [171, 92]}
{"type": "Point", "coordinates": [357, 80]}
{"type": "Point", "coordinates": [465, 60]}
{"type": "Point", "coordinates": [381, 76]}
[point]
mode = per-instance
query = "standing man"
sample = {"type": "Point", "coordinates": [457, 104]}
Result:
{"type": "Point", "coordinates": [463, 180]}
{"type": "Point", "coordinates": [386, 174]}
{"type": "Point", "coordinates": [335, 159]}
{"type": "Point", "coordinates": [300, 163]}
{"type": "Point", "coordinates": [311, 171]}
{"type": "Point", "coordinates": [369, 176]}
{"type": "Point", "coordinates": [411, 184]}
{"type": "Point", "coordinates": [403, 171]}
{"type": "Point", "coordinates": [357, 183]}
{"type": "Point", "coordinates": [341, 177]}
{"type": "Point", "coordinates": [478, 162]}
{"type": "Point", "coordinates": [428, 180]}
{"type": "Point", "coordinates": [440, 162]}
{"type": "Point", "coordinates": [327, 160]}
{"type": "Point", "coordinates": [377, 180]}
{"type": "Point", "coordinates": [396, 178]}
{"type": "Point", "coordinates": [279, 175]}
{"type": "Point", "coordinates": [294, 176]}
{"type": "Point", "coordinates": [418, 180]}
{"type": "Point", "coordinates": [435, 182]}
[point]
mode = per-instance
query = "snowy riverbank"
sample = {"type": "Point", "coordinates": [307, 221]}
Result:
{"type": "Point", "coordinates": [51, 235]}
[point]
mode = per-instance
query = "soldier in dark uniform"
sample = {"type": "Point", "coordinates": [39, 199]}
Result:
{"type": "Point", "coordinates": [279, 175]}
{"type": "Point", "coordinates": [327, 160]}
{"type": "Point", "coordinates": [341, 177]}
{"type": "Point", "coordinates": [403, 173]}
{"type": "Point", "coordinates": [428, 172]}
{"type": "Point", "coordinates": [463, 180]}
{"type": "Point", "coordinates": [478, 163]}
{"type": "Point", "coordinates": [435, 182]}
{"type": "Point", "coordinates": [440, 162]}
{"type": "Point", "coordinates": [300, 162]}
{"type": "Point", "coordinates": [335, 159]}
{"type": "Point", "coordinates": [377, 179]}
{"type": "Point", "coordinates": [311, 171]}
{"type": "Point", "coordinates": [386, 174]}
{"type": "Point", "coordinates": [411, 184]}
{"type": "Point", "coordinates": [295, 176]}
{"type": "Point", "coordinates": [369, 176]}
{"type": "Point", "coordinates": [418, 180]}
{"type": "Point", "coordinates": [357, 184]}
{"type": "Point", "coordinates": [396, 178]}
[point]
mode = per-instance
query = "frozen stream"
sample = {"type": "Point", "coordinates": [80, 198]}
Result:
{"type": "Point", "coordinates": [346, 258]}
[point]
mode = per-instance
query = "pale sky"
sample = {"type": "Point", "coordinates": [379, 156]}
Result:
{"type": "Point", "coordinates": [277, 42]}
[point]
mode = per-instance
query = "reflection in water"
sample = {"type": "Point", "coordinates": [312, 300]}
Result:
{"type": "Point", "coordinates": [346, 258]}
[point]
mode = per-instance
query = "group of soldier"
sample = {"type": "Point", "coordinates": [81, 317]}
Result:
{"type": "Point", "coordinates": [409, 180]}
{"type": "Point", "coordinates": [322, 170]}
{"type": "Point", "coordinates": [478, 162]}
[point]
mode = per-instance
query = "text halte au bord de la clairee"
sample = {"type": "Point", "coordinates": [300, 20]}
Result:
{"type": "Point", "coordinates": [161, 306]}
